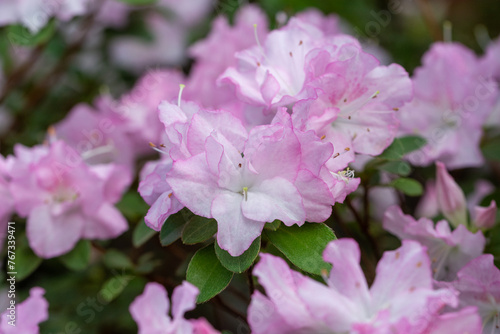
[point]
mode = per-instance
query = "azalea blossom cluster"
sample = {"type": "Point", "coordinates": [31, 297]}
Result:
{"type": "Point", "coordinates": [267, 126]}
{"type": "Point", "coordinates": [302, 105]}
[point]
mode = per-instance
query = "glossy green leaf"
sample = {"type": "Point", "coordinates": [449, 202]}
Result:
{"type": "Point", "coordinates": [408, 186]}
{"type": "Point", "coordinates": [240, 263]}
{"type": "Point", "coordinates": [172, 228]}
{"type": "Point", "coordinates": [304, 245]}
{"type": "Point", "coordinates": [79, 257]}
{"type": "Point", "coordinates": [115, 259]}
{"type": "Point", "coordinates": [402, 146]}
{"type": "Point", "coordinates": [132, 206]}
{"type": "Point", "coordinates": [397, 167]}
{"type": "Point", "coordinates": [208, 274]}
{"type": "Point", "coordinates": [21, 35]}
{"type": "Point", "coordinates": [273, 226]}
{"type": "Point", "coordinates": [114, 286]}
{"type": "Point", "coordinates": [142, 233]}
{"type": "Point", "coordinates": [198, 229]}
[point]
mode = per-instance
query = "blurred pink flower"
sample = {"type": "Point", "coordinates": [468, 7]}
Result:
{"type": "Point", "coordinates": [479, 285]}
{"type": "Point", "coordinates": [28, 314]}
{"type": "Point", "coordinates": [401, 299]}
{"type": "Point", "coordinates": [453, 99]}
{"type": "Point", "coordinates": [151, 311]}
{"type": "Point", "coordinates": [449, 250]}
{"type": "Point", "coordinates": [65, 199]}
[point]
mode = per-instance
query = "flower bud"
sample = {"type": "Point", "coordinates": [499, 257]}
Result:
{"type": "Point", "coordinates": [485, 218]}
{"type": "Point", "coordinates": [450, 198]}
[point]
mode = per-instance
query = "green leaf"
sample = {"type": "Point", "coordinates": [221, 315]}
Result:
{"type": "Point", "coordinates": [273, 226]}
{"type": "Point", "coordinates": [198, 229]}
{"type": "Point", "coordinates": [397, 167]}
{"type": "Point", "coordinates": [114, 286]}
{"type": "Point", "coordinates": [132, 206]}
{"type": "Point", "coordinates": [147, 263]}
{"type": "Point", "coordinates": [115, 259]}
{"type": "Point", "coordinates": [304, 245]}
{"type": "Point", "coordinates": [142, 233]}
{"type": "Point", "coordinates": [21, 35]}
{"type": "Point", "coordinates": [402, 146]}
{"type": "Point", "coordinates": [408, 186]}
{"type": "Point", "coordinates": [25, 261]}
{"type": "Point", "coordinates": [240, 263]}
{"type": "Point", "coordinates": [79, 257]}
{"type": "Point", "coordinates": [491, 149]}
{"type": "Point", "coordinates": [207, 273]}
{"type": "Point", "coordinates": [172, 228]}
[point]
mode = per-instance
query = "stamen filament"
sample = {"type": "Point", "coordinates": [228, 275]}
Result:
{"type": "Point", "coordinates": [181, 88]}
{"type": "Point", "coordinates": [98, 151]}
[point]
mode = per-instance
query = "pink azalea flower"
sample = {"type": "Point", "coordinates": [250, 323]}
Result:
{"type": "Point", "coordinates": [490, 67]}
{"type": "Point", "coordinates": [34, 14]}
{"type": "Point", "coordinates": [273, 74]}
{"type": "Point", "coordinates": [277, 172]}
{"type": "Point", "coordinates": [401, 299]}
{"type": "Point", "coordinates": [186, 129]}
{"type": "Point", "coordinates": [242, 190]}
{"type": "Point", "coordinates": [452, 101]}
{"type": "Point", "coordinates": [167, 48]}
{"type": "Point", "coordinates": [216, 52]}
{"type": "Point", "coordinates": [29, 314]}
{"type": "Point", "coordinates": [151, 311]}
{"type": "Point", "coordinates": [356, 102]}
{"type": "Point", "coordinates": [64, 199]}
{"type": "Point", "coordinates": [136, 113]}
{"type": "Point", "coordinates": [95, 136]}
{"type": "Point", "coordinates": [478, 283]}
{"type": "Point", "coordinates": [449, 250]}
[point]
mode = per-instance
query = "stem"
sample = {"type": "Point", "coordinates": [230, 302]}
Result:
{"type": "Point", "coordinates": [251, 286]}
{"type": "Point", "coordinates": [364, 226]}
{"type": "Point", "coordinates": [430, 20]}
{"type": "Point", "coordinates": [39, 91]}
{"type": "Point", "coordinates": [19, 73]}
{"type": "Point", "coordinates": [218, 300]}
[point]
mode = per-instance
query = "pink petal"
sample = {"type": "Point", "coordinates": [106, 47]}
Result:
{"type": "Point", "coordinates": [263, 316]}
{"type": "Point", "coordinates": [194, 185]}
{"type": "Point", "coordinates": [184, 299]}
{"type": "Point", "coordinates": [150, 310]}
{"type": "Point", "coordinates": [161, 209]}
{"type": "Point", "coordinates": [107, 223]}
{"type": "Point", "coordinates": [235, 232]}
{"type": "Point", "coordinates": [404, 269]}
{"type": "Point", "coordinates": [280, 284]}
{"type": "Point", "coordinates": [346, 275]}
{"type": "Point", "coordinates": [274, 199]}
{"type": "Point", "coordinates": [51, 236]}
{"type": "Point", "coordinates": [29, 313]}
{"type": "Point", "coordinates": [464, 321]}
{"type": "Point", "coordinates": [316, 196]}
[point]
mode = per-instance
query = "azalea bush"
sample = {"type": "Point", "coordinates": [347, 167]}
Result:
{"type": "Point", "coordinates": [233, 167]}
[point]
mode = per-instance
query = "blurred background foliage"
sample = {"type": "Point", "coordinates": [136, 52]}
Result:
{"type": "Point", "coordinates": [90, 289]}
